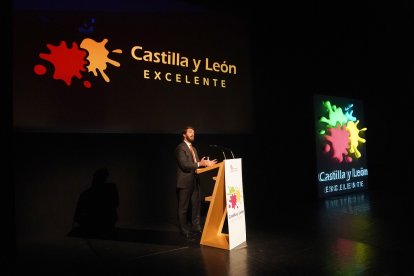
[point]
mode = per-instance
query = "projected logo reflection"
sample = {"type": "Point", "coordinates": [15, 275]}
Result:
{"type": "Point", "coordinates": [349, 216]}
{"type": "Point", "coordinates": [73, 62]}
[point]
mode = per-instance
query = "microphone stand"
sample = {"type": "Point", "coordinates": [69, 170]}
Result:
{"type": "Point", "coordinates": [230, 152]}
{"type": "Point", "coordinates": [221, 149]}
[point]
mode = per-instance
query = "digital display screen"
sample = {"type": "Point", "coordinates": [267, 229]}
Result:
{"type": "Point", "coordinates": [340, 131]}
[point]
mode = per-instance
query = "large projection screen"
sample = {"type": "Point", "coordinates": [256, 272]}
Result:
{"type": "Point", "coordinates": [131, 72]}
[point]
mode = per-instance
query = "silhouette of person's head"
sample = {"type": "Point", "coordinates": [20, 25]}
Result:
{"type": "Point", "coordinates": [100, 176]}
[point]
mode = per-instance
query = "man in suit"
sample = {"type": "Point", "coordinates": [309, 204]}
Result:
{"type": "Point", "coordinates": [188, 182]}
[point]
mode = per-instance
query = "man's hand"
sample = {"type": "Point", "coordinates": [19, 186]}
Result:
{"type": "Point", "coordinates": [207, 162]}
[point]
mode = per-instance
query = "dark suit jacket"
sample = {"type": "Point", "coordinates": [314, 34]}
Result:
{"type": "Point", "coordinates": [186, 176]}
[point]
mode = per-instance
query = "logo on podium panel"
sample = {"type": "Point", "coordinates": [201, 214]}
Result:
{"type": "Point", "coordinates": [235, 202]}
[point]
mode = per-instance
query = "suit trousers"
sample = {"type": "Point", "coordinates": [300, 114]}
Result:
{"type": "Point", "coordinates": [185, 196]}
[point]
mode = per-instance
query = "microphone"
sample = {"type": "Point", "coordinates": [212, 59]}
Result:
{"type": "Point", "coordinates": [229, 151]}
{"type": "Point", "coordinates": [220, 148]}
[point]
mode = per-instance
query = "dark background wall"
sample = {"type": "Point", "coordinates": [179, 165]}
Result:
{"type": "Point", "coordinates": [352, 49]}
{"type": "Point", "coordinates": [52, 169]}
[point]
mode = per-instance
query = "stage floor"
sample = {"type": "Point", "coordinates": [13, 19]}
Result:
{"type": "Point", "coordinates": [364, 233]}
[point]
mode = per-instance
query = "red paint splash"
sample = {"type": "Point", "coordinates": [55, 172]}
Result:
{"type": "Point", "coordinates": [233, 200]}
{"type": "Point", "coordinates": [40, 69]}
{"type": "Point", "coordinates": [339, 139]}
{"type": "Point", "coordinates": [87, 84]}
{"type": "Point", "coordinates": [67, 62]}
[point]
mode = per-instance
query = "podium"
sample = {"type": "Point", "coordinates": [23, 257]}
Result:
{"type": "Point", "coordinates": [226, 200]}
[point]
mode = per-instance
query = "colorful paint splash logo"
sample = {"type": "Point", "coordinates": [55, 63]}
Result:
{"type": "Point", "coordinates": [341, 133]}
{"type": "Point", "coordinates": [235, 197]}
{"type": "Point", "coordinates": [88, 56]}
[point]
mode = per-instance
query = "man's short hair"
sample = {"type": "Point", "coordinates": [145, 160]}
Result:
{"type": "Point", "coordinates": [184, 131]}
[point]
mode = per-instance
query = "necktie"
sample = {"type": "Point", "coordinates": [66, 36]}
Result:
{"type": "Point", "coordinates": [192, 153]}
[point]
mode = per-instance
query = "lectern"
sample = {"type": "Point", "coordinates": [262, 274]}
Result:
{"type": "Point", "coordinates": [227, 200]}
